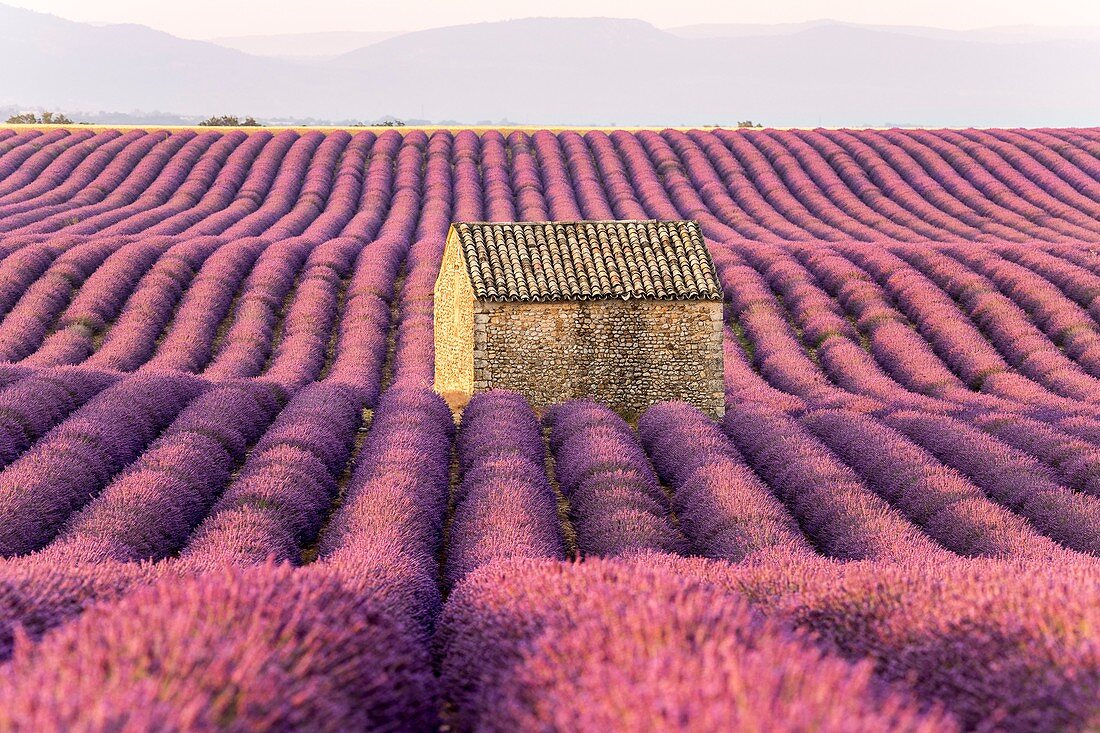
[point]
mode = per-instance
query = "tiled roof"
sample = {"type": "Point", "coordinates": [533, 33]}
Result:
{"type": "Point", "coordinates": [588, 260]}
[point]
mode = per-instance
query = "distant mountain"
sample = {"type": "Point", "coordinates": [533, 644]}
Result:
{"type": "Point", "coordinates": [293, 45]}
{"type": "Point", "coordinates": [993, 34]}
{"type": "Point", "coordinates": [593, 71]}
{"type": "Point", "coordinates": [45, 60]}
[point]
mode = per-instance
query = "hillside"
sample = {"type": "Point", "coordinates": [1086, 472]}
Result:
{"type": "Point", "coordinates": [232, 500]}
{"type": "Point", "coordinates": [564, 71]}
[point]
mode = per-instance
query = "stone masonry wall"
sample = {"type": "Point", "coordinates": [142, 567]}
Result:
{"type": "Point", "coordinates": [626, 354]}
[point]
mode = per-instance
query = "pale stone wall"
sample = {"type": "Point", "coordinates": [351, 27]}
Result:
{"type": "Point", "coordinates": [454, 325]}
{"type": "Point", "coordinates": [626, 354]}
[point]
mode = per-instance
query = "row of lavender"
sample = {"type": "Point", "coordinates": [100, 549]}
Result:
{"type": "Point", "coordinates": [829, 185]}
{"type": "Point", "coordinates": [850, 325]}
{"type": "Point", "coordinates": [845, 323]}
{"type": "Point", "coordinates": [128, 468]}
{"type": "Point", "coordinates": [407, 569]}
{"type": "Point", "coordinates": [861, 326]}
{"type": "Point", "coordinates": [853, 325]}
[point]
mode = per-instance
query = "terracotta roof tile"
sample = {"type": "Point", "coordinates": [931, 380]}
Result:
{"type": "Point", "coordinates": [587, 260]}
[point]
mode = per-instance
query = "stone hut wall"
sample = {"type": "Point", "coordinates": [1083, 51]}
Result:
{"type": "Point", "coordinates": [454, 326]}
{"type": "Point", "coordinates": [626, 354]}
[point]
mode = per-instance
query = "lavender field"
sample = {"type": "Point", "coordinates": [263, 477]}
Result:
{"type": "Point", "coordinates": [230, 500]}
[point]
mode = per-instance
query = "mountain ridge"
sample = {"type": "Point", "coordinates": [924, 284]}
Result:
{"type": "Point", "coordinates": [594, 71]}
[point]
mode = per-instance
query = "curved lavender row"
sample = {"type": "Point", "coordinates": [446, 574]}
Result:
{"type": "Point", "coordinates": [591, 196]}
{"type": "Point", "coordinates": [149, 509]}
{"type": "Point", "coordinates": [725, 510]}
{"type": "Point", "coordinates": [133, 337]}
{"type": "Point", "coordinates": [153, 192]}
{"type": "Point", "coordinates": [867, 208]}
{"type": "Point", "coordinates": [389, 527]}
{"type": "Point", "coordinates": [727, 189]}
{"type": "Point", "coordinates": [1068, 326]}
{"type": "Point", "coordinates": [909, 357]}
{"type": "Point", "coordinates": [1074, 459]}
{"type": "Point", "coordinates": [1021, 166]}
{"type": "Point", "coordinates": [221, 192]}
{"type": "Point", "coordinates": [496, 181]}
{"type": "Point", "coordinates": [835, 508]}
{"type": "Point", "coordinates": [17, 148]}
{"type": "Point", "coordinates": [504, 506]}
{"type": "Point", "coordinates": [285, 187]}
{"type": "Point", "coordinates": [1008, 328]}
{"type": "Point", "coordinates": [189, 186]}
{"type": "Point", "coordinates": [358, 352]}
{"type": "Point", "coordinates": [308, 202]}
{"type": "Point", "coordinates": [1001, 644]}
{"type": "Point", "coordinates": [209, 299]}
{"type": "Point", "coordinates": [616, 182]}
{"type": "Point", "coordinates": [555, 176]}
{"type": "Point", "coordinates": [345, 187]}
{"type": "Point", "coordinates": [928, 170]}
{"type": "Point", "coordinates": [86, 182]}
{"type": "Point", "coordinates": [871, 180]}
{"type": "Point", "coordinates": [610, 645]}
{"type": "Point", "coordinates": [465, 157]}
{"type": "Point", "coordinates": [953, 336]}
{"type": "Point", "coordinates": [245, 345]}
{"type": "Point", "coordinates": [798, 349]}
{"type": "Point", "coordinates": [947, 506]}
{"type": "Point", "coordinates": [1009, 476]}
{"type": "Point", "coordinates": [276, 504]}
{"type": "Point", "coordinates": [307, 329]}
{"type": "Point", "coordinates": [245, 196]}
{"type": "Point", "coordinates": [120, 184]}
{"type": "Point", "coordinates": [47, 165]}
{"type": "Point", "coordinates": [828, 185]}
{"type": "Point", "coordinates": [75, 460]}
{"type": "Point", "coordinates": [1074, 280]}
{"type": "Point", "coordinates": [918, 189]}
{"type": "Point", "coordinates": [19, 271]}
{"type": "Point", "coordinates": [31, 406]}
{"type": "Point", "coordinates": [106, 290]}
{"type": "Point", "coordinates": [616, 502]}
{"type": "Point", "coordinates": [526, 180]}
{"type": "Point", "coordinates": [414, 351]}
{"type": "Point", "coordinates": [844, 349]}
{"type": "Point", "coordinates": [777, 354]}
{"type": "Point", "coordinates": [299, 651]}
{"type": "Point", "coordinates": [376, 195]}
{"type": "Point", "coordinates": [37, 594]}
{"type": "Point", "coordinates": [34, 315]}
{"type": "Point", "coordinates": [986, 176]}
{"type": "Point", "coordinates": [737, 152]}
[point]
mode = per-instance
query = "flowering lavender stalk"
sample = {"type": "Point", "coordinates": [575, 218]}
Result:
{"type": "Point", "coordinates": [725, 510]}
{"type": "Point", "coordinates": [278, 501]}
{"type": "Point", "coordinates": [504, 506]}
{"type": "Point", "coordinates": [613, 645]}
{"type": "Point", "coordinates": [839, 512]}
{"type": "Point", "coordinates": [75, 460]}
{"type": "Point", "coordinates": [268, 647]}
{"type": "Point", "coordinates": [388, 530]}
{"type": "Point", "coordinates": [615, 500]}
{"type": "Point", "coordinates": [1009, 476]}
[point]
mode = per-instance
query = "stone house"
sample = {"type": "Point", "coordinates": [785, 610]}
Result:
{"type": "Point", "coordinates": [626, 312]}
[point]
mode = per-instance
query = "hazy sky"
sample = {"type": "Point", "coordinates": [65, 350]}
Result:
{"type": "Point", "coordinates": [210, 18]}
